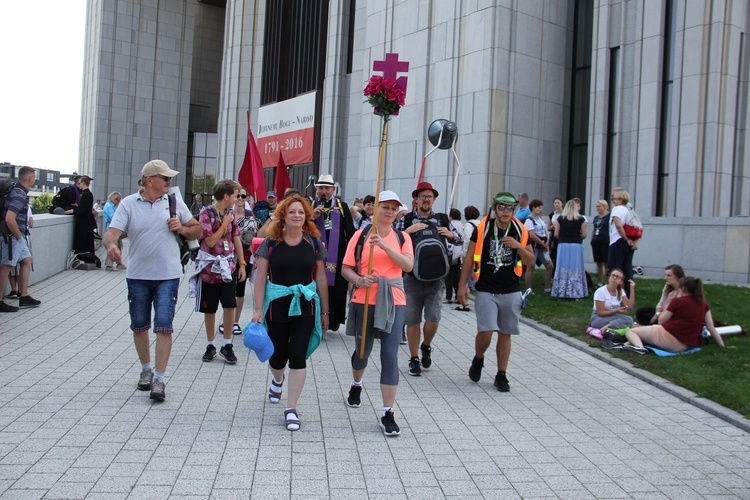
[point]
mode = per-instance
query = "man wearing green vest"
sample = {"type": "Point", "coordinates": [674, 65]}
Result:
{"type": "Point", "coordinates": [500, 247]}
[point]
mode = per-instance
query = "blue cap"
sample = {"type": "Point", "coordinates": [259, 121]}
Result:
{"type": "Point", "coordinates": [257, 340]}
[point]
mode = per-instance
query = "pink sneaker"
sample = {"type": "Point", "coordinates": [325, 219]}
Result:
{"type": "Point", "coordinates": [595, 332]}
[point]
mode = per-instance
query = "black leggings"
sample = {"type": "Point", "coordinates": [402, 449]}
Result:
{"type": "Point", "coordinates": [290, 340]}
{"type": "Point", "coordinates": [452, 279]}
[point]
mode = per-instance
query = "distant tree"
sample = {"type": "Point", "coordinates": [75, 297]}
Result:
{"type": "Point", "coordinates": [40, 204]}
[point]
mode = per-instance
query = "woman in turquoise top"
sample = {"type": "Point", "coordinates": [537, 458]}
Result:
{"type": "Point", "coordinates": [291, 297]}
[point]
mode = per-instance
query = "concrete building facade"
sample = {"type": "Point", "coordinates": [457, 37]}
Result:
{"type": "Point", "coordinates": [551, 97]}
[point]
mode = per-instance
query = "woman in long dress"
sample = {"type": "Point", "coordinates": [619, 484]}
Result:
{"type": "Point", "coordinates": [570, 275]}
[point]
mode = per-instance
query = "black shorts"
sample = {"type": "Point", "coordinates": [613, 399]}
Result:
{"type": "Point", "coordinates": [241, 284]}
{"type": "Point", "coordinates": [213, 293]}
{"type": "Point", "coordinates": [600, 250]}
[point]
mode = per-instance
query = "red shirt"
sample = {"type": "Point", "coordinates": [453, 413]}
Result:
{"type": "Point", "coordinates": [208, 230]}
{"type": "Point", "coordinates": [687, 319]}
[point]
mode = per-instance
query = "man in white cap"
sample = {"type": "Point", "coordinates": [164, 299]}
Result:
{"type": "Point", "coordinates": [154, 270]}
{"type": "Point", "coordinates": [334, 220]}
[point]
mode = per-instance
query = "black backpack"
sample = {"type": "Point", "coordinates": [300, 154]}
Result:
{"type": "Point", "coordinates": [5, 188]}
{"type": "Point", "coordinates": [431, 261]}
{"type": "Point", "coordinates": [58, 201]}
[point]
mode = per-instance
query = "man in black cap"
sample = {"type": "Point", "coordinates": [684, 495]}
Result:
{"type": "Point", "coordinates": [334, 221]}
{"type": "Point", "coordinates": [421, 293]}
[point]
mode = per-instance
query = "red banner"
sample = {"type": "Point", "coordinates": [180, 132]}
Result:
{"type": "Point", "coordinates": [296, 146]}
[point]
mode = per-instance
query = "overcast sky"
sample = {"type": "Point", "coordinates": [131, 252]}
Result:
{"type": "Point", "coordinates": [41, 75]}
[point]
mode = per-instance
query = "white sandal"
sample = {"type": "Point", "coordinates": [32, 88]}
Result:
{"type": "Point", "coordinates": [275, 396]}
{"type": "Point", "coordinates": [291, 419]}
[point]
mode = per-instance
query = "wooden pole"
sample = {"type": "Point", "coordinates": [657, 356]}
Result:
{"type": "Point", "coordinates": [374, 230]}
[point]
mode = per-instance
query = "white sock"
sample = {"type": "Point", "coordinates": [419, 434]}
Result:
{"type": "Point", "coordinates": [159, 376]}
{"type": "Point", "coordinates": [279, 382]}
{"type": "Point", "coordinates": [357, 384]}
{"type": "Point", "coordinates": [226, 341]}
{"type": "Point", "coordinates": [386, 409]}
{"type": "Point", "coordinates": [146, 367]}
{"type": "Point", "coordinates": [212, 342]}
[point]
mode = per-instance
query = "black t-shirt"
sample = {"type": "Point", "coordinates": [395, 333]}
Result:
{"type": "Point", "coordinates": [570, 230]}
{"type": "Point", "coordinates": [500, 278]}
{"type": "Point", "coordinates": [601, 229]}
{"type": "Point", "coordinates": [291, 265]}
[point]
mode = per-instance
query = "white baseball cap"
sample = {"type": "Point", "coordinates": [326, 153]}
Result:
{"type": "Point", "coordinates": [389, 196]}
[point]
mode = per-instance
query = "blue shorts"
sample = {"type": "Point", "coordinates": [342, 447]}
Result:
{"type": "Point", "coordinates": [162, 294]}
{"type": "Point", "coordinates": [20, 250]}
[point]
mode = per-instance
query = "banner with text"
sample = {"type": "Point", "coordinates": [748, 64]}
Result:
{"type": "Point", "coordinates": [287, 126]}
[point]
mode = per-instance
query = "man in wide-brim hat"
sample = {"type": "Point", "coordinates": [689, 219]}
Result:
{"type": "Point", "coordinates": [334, 220]}
{"type": "Point", "coordinates": [424, 295]}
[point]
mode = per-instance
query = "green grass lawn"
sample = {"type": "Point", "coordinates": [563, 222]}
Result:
{"type": "Point", "coordinates": [721, 375]}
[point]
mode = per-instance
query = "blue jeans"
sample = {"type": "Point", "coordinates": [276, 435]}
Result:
{"type": "Point", "coordinates": [162, 294]}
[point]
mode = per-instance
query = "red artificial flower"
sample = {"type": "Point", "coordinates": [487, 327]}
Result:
{"type": "Point", "coordinates": [385, 97]}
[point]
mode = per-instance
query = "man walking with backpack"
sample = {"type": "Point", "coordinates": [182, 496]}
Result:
{"type": "Point", "coordinates": [424, 284]}
{"type": "Point", "coordinates": [14, 247]}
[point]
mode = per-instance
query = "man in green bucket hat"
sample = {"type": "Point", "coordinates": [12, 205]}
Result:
{"type": "Point", "coordinates": [498, 248]}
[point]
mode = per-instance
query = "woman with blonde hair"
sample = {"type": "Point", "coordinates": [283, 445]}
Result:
{"type": "Point", "coordinates": [600, 240]}
{"type": "Point", "coordinates": [621, 247]}
{"type": "Point", "coordinates": [570, 276]}
{"type": "Point", "coordinates": [291, 297]}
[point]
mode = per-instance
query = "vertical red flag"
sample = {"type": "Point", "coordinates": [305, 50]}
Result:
{"type": "Point", "coordinates": [282, 182]}
{"type": "Point", "coordinates": [251, 173]}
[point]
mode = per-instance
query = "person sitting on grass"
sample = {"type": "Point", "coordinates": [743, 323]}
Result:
{"type": "Point", "coordinates": [610, 304]}
{"type": "Point", "coordinates": [650, 315]}
{"type": "Point", "coordinates": [680, 325]}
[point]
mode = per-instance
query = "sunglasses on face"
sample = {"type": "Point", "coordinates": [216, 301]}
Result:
{"type": "Point", "coordinates": [164, 178]}
{"type": "Point", "coordinates": [243, 196]}
{"type": "Point", "coordinates": [504, 208]}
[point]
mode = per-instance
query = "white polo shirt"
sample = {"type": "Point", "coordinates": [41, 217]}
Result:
{"type": "Point", "coordinates": [154, 252]}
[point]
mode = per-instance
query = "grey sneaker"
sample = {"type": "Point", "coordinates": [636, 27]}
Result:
{"type": "Point", "coordinates": [144, 382]}
{"type": "Point", "coordinates": [634, 348]}
{"type": "Point", "coordinates": [157, 390]}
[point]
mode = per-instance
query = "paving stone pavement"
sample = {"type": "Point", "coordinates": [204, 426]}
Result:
{"type": "Point", "coordinates": [73, 425]}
